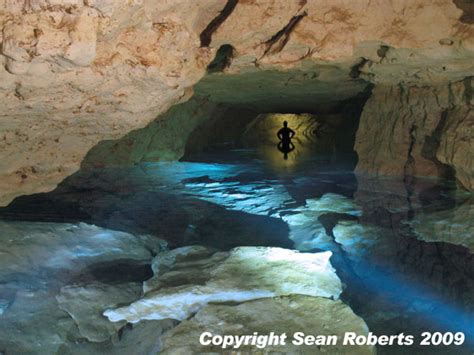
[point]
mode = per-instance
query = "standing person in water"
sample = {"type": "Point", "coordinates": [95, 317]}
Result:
{"type": "Point", "coordinates": [284, 135]}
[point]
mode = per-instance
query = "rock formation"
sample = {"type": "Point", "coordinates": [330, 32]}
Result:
{"type": "Point", "coordinates": [451, 226]}
{"type": "Point", "coordinates": [74, 73]}
{"type": "Point", "coordinates": [193, 277]}
{"type": "Point", "coordinates": [58, 278]}
{"type": "Point", "coordinates": [295, 313]}
{"type": "Point", "coordinates": [404, 249]}
{"type": "Point", "coordinates": [235, 293]}
{"type": "Point", "coordinates": [418, 131]}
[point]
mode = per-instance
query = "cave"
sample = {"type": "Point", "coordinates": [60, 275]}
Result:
{"type": "Point", "coordinates": [281, 177]}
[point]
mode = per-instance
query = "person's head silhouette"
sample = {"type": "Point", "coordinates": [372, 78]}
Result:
{"type": "Point", "coordinates": [285, 124]}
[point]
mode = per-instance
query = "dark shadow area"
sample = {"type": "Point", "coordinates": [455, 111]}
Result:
{"type": "Point", "coordinates": [115, 272]}
{"type": "Point", "coordinates": [326, 131]}
{"type": "Point", "coordinates": [222, 59]}
{"type": "Point", "coordinates": [206, 34]}
{"type": "Point", "coordinates": [467, 6]}
{"type": "Point", "coordinates": [179, 219]}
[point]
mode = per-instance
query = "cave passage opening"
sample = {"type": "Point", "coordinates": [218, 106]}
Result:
{"type": "Point", "coordinates": [250, 110]}
{"type": "Point", "coordinates": [208, 172]}
{"type": "Point", "coordinates": [325, 141]}
{"type": "Point", "coordinates": [243, 111]}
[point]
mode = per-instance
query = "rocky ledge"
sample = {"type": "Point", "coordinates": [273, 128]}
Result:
{"type": "Point", "coordinates": [55, 291]}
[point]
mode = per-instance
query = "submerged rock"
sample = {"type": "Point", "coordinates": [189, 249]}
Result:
{"type": "Point", "coordinates": [53, 251]}
{"type": "Point", "coordinates": [141, 338]}
{"type": "Point", "coordinates": [33, 324]}
{"type": "Point", "coordinates": [296, 313]}
{"type": "Point", "coordinates": [86, 303]}
{"type": "Point", "coordinates": [454, 226]}
{"type": "Point", "coordinates": [50, 296]}
{"type": "Point", "coordinates": [306, 229]}
{"type": "Point", "coordinates": [188, 258]}
{"type": "Point", "coordinates": [359, 240]}
{"type": "Point", "coordinates": [243, 274]}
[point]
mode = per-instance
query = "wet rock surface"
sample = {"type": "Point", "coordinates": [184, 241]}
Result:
{"type": "Point", "coordinates": [85, 305]}
{"type": "Point", "coordinates": [125, 205]}
{"type": "Point", "coordinates": [55, 308]}
{"type": "Point", "coordinates": [76, 73]}
{"type": "Point", "coordinates": [52, 299]}
{"type": "Point", "coordinates": [370, 226]}
{"type": "Point", "coordinates": [243, 274]}
{"type": "Point", "coordinates": [64, 251]}
{"type": "Point", "coordinates": [297, 313]}
{"type": "Point", "coordinates": [410, 131]}
{"type": "Point", "coordinates": [452, 226]}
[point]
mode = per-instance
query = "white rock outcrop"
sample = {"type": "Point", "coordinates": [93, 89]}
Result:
{"type": "Point", "coordinates": [245, 273]}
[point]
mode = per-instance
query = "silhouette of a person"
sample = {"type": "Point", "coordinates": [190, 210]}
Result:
{"type": "Point", "coordinates": [285, 145]}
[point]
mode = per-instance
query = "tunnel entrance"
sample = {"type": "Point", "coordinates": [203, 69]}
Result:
{"type": "Point", "coordinates": [322, 140]}
{"type": "Point", "coordinates": [251, 109]}
{"type": "Point", "coordinates": [209, 172]}
{"type": "Point", "coordinates": [324, 103]}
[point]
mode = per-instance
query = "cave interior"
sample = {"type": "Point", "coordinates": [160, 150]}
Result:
{"type": "Point", "coordinates": [163, 209]}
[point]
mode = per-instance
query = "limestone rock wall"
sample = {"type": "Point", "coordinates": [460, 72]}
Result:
{"type": "Point", "coordinates": [76, 72]}
{"type": "Point", "coordinates": [73, 73]}
{"type": "Point", "coordinates": [457, 139]}
{"type": "Point", "coordinates": [418, 131]}
{"type": "Point", "coordinates": [161, 140]}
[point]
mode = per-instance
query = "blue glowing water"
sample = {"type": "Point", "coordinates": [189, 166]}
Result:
{"type": "Point", "coordinates": [397, 248]}
{"type": "Point", "coordinates": [376, 251]}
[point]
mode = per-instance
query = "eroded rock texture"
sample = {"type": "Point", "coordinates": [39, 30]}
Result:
{"type": "Point", "coordinates": [418, 131]}
{"type": "Point", "coordinates": [76, 72]}
{"type": "Point", "coordinates": [162, 140]}
{"type": "Point", "coordinates": [454, 226]}
{"type": "Point", "coordinates": [189, 278]}
{"type": "Point", "coordinates": [281, 315]}
{"type": "Point", "coordinates": [58, 278]}
{"type": "Point", "coordinates": [243, 291]}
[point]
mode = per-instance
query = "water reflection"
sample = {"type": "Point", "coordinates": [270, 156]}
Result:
{"type": "Point", "coordinates": [285, 134]}
{"type": "Point", "coordinates": [285, 148]}
{"type": "Point", "coordinates": [294, 145]}
{"type": "Point", "coordinates": [405, 251]}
